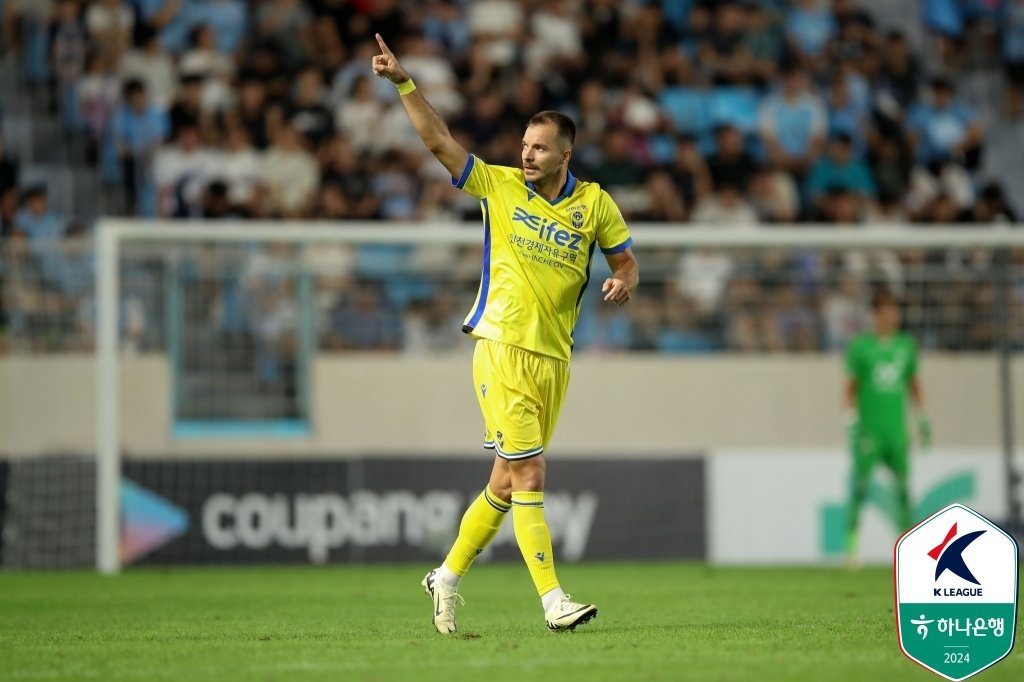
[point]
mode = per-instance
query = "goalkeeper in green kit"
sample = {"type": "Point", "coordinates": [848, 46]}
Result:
{"type": "Point", "coordinates": [882, 371]}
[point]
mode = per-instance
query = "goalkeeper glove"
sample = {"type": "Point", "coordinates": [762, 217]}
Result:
{"type": "Point", "coordinates": [924, 432]}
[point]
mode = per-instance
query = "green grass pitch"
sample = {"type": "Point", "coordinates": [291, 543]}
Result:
{"type": "Point", "coordinates": [657, 621]}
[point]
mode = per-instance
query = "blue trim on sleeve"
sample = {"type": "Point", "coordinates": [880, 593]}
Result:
{"type": "Point", "coordinates": [485, 277]}
{"type": "Point", "coordinates": [620, 248]}
{"type": "Point", "coordinates": [461, 182]}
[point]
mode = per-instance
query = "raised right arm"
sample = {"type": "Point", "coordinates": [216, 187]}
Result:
{"type": "Point", "coordinates": [428, 124]}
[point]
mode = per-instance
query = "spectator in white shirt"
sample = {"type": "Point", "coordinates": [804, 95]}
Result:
{"type": "Point", "coordinates": [240, 167]}
{"type": "Point", "coordinates": [154, 66]}
{"type": "Point", "coordinates": [359, 116]}
{"type": "Point", "coordinates": [214, 67]}
{"type": "Point", "coordinates": [182, 171]}
{"type": "Point", "coordinates": [291, 175]}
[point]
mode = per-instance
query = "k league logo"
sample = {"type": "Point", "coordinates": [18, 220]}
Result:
{"type": "Point", "coordinates": [956, 592]}
{"type": "Point", "coordinates": [952, 559]}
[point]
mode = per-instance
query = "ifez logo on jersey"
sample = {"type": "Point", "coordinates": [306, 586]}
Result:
{"type": "Point", "coordinates": [548, 230]}
{"type": "Point", "coordinates": [956, 588]}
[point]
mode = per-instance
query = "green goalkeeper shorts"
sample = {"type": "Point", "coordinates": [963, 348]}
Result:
{"type": "Point", "coordinates": [889, 449]}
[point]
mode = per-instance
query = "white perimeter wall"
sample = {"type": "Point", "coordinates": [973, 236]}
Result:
{"type": "Point", "coordinates": [617, 405]}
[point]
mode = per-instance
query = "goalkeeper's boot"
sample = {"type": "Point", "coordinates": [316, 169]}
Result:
{"type": "Point", "coordinates": [444, 602]}
{"type": "Point", "coordinates": [567, 614]}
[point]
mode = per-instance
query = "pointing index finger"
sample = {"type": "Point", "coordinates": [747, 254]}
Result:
{"type": "Point", "coordinates": [383, 46]}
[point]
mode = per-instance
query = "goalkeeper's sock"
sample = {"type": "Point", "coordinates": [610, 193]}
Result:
{"type": "Point", "coordinates": [903, 508]}
{"type": "Point", "coordinates": [479, 525]}
{"type": "Point", "coordinates": [534, 539]}
{"type": "Point", "coordinates": [851, 542]}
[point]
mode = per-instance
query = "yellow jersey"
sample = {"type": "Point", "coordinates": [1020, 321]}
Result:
{"type": "Point", "coordinates": [537, 256]}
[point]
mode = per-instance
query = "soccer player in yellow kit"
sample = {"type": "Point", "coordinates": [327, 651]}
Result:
{"type": "Point", "coordinates": [541, 226]}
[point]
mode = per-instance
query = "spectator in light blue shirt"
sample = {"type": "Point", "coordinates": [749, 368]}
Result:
{"type": "Point", "coordinates": [847, 117]}
{"type": "Point", "coordinates": [946, 137]}
{"type": "Point", "coordinates": [602, 329]}
{"type": "Point", "coordinates": [170, 19]}
{"type": "Point", "coordinates": [945, 20]}
{"type": "Point", "coordinates": [793, 123]}
{"type": "Point", "coordinates": [445, 24]}
{"type": "Point", "coordinates": [35, 220]}
{"type": "Point", "coordinates": [44, 230]}
{"type": "Point", "coordinates": [945, 17]}
{"type": "Point", "coordinates": [139, 127]}
{"type": "Point", "coordinates": [809, 26]}
{"type": "Point", "coordinates": [943, 130]}
{"type": "Point", "coordinates": [227, 18]}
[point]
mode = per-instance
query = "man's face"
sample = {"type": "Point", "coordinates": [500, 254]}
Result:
{"type": "Point", "coordinates": [793, 84]}
{"type": "Point", "coordinates": [840, 151]}
{"type": "Point", "coordinates": [941, 97]}
{"type": "Point", "coordinates": [37, 205]}
{"type": "Point", "coordinates": [887, 317]}
{"type": "Point", "coordinates": [730, 142]}
{"type": "Point", "coordinates": [543, 153]}
{"type": "Point", "coordinates": [137, 100]}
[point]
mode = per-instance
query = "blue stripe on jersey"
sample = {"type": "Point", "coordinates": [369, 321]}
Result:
{"type": "Point", "coordinates": [586, 281]}
{"type": "Point", "coordinates": [620, 248]}
{"type": "Point", "coordinates": [485, 277]}
{"type": "Point", "coordinates": [464, 178]}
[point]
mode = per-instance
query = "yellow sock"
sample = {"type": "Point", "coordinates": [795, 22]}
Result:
{"type": "Point", "coordinates": [534, 539]}
{"type": "Point", "coordinates": [479, 525]}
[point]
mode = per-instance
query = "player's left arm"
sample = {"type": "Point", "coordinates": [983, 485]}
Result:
{"type": "Point", "coordinates": [615, 241]}
{"type": "Point", "coordinates": [916, 394]}
{"type": "Point", "coordinates": [924, 425]}
{"type": "Point", "coordinates": [625, 276]}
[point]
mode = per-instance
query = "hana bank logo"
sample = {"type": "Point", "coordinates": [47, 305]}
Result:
{"type": "Point", "coordinates": [148, 521]}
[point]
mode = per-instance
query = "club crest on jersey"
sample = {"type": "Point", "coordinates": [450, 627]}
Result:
{"type": "Point", "coordinates": [548, 230]}
{"type": "Point", "coordinates": [577, 219]}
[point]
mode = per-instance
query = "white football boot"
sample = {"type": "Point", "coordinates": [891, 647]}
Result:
{"type": "Point", "coordinates": [444, 602]}
{"type": "Point", "coordinates": [567, 614]}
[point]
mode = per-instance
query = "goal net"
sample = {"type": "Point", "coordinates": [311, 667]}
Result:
{"type": "Point", "coordinates": [289, 392]}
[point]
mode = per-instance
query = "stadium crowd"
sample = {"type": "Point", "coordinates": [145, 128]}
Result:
{"type": "Point", "coordinates": [719, 112]}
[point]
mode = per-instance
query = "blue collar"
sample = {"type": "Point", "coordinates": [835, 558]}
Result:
{"type": "Point", "coordinates": [567, 189]}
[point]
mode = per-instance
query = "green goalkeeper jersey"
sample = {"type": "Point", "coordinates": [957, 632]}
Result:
{"type": "Point", "coordinates": [883, 370]}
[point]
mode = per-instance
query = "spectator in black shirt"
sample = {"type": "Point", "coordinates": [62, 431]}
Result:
{"type": "Point", "coordinates": [901, 73]}
{"type": "Point", "coordinates": [8, 169]}
{"type": "Point", "coordinates": [307, 113]}
{"type": "Point", "coordinates": [186, 112]}
{"type": "Point", "coordinates": [252, 110]}
{"type": "Point", "coordinates": [345, 172]}
{"type": "Point", "coordinates": [731, 164]}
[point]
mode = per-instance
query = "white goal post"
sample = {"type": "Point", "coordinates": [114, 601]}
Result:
{"type": "Point", "coordinates": [113, 234]}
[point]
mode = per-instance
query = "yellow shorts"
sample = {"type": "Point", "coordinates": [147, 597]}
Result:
{"type": "Point", "coordinates": [520, 394]}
